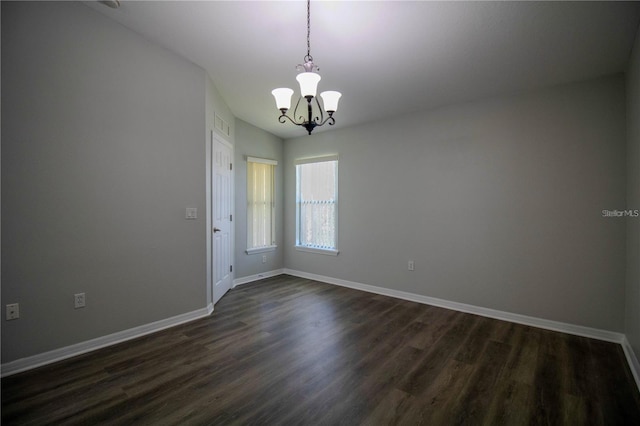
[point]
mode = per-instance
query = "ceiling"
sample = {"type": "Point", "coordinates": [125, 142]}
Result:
{"type": "Point", "coordinates": [388, 58]}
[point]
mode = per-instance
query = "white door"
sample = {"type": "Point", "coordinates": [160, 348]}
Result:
{"type": "Point", "coordinates": [222, 199]}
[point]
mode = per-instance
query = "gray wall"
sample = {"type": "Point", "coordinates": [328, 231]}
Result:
{"type": "Point", "coordinates": [103, 148]}
{"type": "Point", "coordinates": [498, 203]}
{"type": "Point", "coordinates": [632, 323]}
{"type": "Point", "coordinates": [254, 142]}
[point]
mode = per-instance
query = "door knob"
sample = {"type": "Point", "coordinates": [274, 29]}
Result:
{"type": "Point", "coordinates": [216, 230]}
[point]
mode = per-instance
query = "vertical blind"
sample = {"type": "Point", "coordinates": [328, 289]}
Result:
{"type": "Point", "coordinates": [317, 202]}
{"type": "Point", "coordinates": [260, 203]}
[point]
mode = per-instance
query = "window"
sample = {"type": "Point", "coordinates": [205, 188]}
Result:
{"type": "Point", "coordinates": [317, 204]}
{"type": "Point", "coordinates": [260, 205]}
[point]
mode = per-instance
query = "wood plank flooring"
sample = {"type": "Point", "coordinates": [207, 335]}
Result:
{"type": "Point", "coordinates": [290, 351]}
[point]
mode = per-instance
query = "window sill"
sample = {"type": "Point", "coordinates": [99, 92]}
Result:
{"type": "Point", "coordinates": [261, 250]}
{"type": "Point", "coordinates": [330, 252]}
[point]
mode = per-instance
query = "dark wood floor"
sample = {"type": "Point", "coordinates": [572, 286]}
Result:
{"type": "Point", "coordinates": [297, 352]}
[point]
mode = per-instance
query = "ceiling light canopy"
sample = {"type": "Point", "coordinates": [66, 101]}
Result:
{"type": "Point", "coordinates": [308, 80]}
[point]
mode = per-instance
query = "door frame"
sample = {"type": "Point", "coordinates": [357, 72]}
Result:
{"type": "Point", "coordinates": [211, 137]}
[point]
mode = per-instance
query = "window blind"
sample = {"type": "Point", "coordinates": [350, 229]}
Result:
{"type": "Point", "coordinates": [317, 203]}
{"type": "Point", "coordinates": [260, 203]}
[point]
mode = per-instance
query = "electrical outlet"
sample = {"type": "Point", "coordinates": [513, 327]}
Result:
{"type": "Point", "coordinates": [410, 265]}
{"type": "Point", "coordinates": [78, 300]}
{"type": "Point", "coordinates": [264, 258]}
{"type": "Point", "coordinates": [13, 311]}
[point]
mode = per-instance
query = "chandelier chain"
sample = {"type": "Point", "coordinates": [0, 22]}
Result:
{"type": "Point", "coordinates": [309, 29]}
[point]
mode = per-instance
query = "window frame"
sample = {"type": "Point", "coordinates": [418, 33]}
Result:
{"type": "Point", "coordinates": [302, 161]}
{"type": "Point", "coordinates": [273, 246]}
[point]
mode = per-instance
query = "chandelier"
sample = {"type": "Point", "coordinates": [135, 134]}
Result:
{"type": "Point", "coordinates": [308, 80]}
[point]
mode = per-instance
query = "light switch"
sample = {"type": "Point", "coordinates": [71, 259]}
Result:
{"type": "Point", "coordinates": [192, 213]}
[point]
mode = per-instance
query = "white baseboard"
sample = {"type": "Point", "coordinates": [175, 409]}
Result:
{"type": "Point", "coordinates": [257, 277]}
{"type": "Point", "coordinates": [578, 330]}
{"type": "Point", "coordinates": [31, 362]}
{"type": "Point", "coordinates": [55, 355]}
{"type": "Point", "coordinates": [594, 333]}
{"type": "Point", "coordinates": [634, 365]}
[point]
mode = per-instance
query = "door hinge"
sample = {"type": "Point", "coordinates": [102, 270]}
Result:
{"type": "Point", "coordinates": [230, 166]}
{"type": "Point", "coordinates": [230, 218]}
{"type": "Point", "coordinates": [230, 268]}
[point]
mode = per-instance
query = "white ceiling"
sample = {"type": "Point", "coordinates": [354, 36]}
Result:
{"type": "Point", "coordinates": [387, 58]}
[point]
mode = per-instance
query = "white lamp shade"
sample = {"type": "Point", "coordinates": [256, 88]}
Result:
{"type": "Point", "coordinates": [308, 83]}
{"type": "Point", "coordinates": [330, 100]}
{"type": "Point", "coordinates": [283, 97]}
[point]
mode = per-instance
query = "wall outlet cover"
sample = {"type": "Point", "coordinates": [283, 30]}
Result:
{"type": "Point", "coordinates": [13, 311]}
{"type": "Point", "coordinates": [79, 300]}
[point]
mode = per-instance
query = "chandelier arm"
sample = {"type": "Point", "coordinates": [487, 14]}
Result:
{"type": "Point", "coordinates": [295, 113]}
{"type": "Point", "coordinates": [329, 120]}
{"type": "Point", "coordinates": [321, 118]}
{"type": "Point", "coordinates": [282, 120]}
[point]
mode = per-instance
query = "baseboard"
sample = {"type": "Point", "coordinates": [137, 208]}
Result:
{"type": "Point", "coordinates": [28, 363]}
{"type": "Point", "coordinates": [257, 277]}
{"type": "Point", "coordinates": [55, 355]}
{"type": "Point", "coordinates": [634, 365]}
{"type": "Point", "coordinates": [578, 330]}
